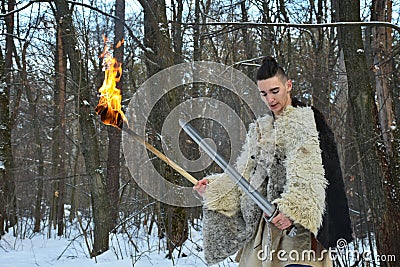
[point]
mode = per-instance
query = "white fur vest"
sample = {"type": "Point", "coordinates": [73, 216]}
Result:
{"type": "Point", "coordinates": [281, 158]}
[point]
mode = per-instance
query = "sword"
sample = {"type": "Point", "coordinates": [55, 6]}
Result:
{"type": "Point", "coordinates": [267, 207]}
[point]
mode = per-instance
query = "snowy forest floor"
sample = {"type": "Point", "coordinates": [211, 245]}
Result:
{"type": "Point", "coordinates": [131, 247]}
{"type": "Point", "coordinates": [71, 250]}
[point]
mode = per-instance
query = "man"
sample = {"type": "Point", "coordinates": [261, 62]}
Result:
{"type": "Point", "coordinates": [291, 158]}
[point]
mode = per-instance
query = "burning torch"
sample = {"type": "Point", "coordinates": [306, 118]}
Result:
{"type": "Point", "coordinates": [110, 109]}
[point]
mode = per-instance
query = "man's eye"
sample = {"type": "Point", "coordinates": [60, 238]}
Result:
{"type": "Point", "coordinates": [275, 91]}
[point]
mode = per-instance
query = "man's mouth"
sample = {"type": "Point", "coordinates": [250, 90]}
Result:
{"type": "Point", "coordinates": [273, 106]}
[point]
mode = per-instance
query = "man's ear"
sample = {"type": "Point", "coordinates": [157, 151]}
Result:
{"type": "Point", "coordinates": [289, 85]}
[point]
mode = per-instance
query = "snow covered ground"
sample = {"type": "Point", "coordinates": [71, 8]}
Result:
{"type": "Point", "coordinates": [71, 251]}
{"type": "Point", "coordinates": [133, 247]}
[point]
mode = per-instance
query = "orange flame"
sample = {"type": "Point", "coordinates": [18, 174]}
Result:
{"type": "Point", "coordinates": [109, 107]}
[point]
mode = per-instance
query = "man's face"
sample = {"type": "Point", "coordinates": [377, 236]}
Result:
{"type": "Point", "coordinates": [275, 92]}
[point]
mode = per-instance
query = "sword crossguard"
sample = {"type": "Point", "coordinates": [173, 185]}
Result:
{"type": "Point", "coordinates": [273, 215]}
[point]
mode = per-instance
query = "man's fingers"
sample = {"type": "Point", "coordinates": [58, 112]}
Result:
{"type": "Point", "coordinates": [277, 218]}
{"type": "Point", "coordinates": [201, 186]}
{"type": "Point", "coordinates": [281, 221]}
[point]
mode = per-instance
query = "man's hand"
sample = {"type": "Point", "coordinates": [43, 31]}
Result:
{"type": "Point", "coordinates": [201, 186]}
{"type": "Point", "coordinates": [282, 221]}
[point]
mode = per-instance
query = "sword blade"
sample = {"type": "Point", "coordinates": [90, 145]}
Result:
{"type": "Point", "coordinates": [247, 188]}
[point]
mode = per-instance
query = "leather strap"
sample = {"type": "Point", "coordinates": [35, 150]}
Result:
{"type": "Point", "coordinates": [314, 244]}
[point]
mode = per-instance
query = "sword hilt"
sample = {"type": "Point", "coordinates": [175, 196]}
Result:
{"type": "Point", "coordinates": [291, 231]}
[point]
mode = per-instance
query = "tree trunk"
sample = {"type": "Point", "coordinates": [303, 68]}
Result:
{"type": "Point", "coordinates": [160, 56]}
{"type": "Point", "coordinates": [176, 31]}
{"type": "Point", "coordinates": [320, 81]}
{"type": "Point", "coordinates": [114, 134]}
{"type": "Point", "coordinates": [90, 146]}
{"type": "Point", "coordinates": [8, 216]}
{"type": "Point", "coordinates": [35, 118]}
{"type": "Point", "coordinates": [77, 175]}
{"type": "Point", "coordinates": [383, 70]}
{"type": "Point", "coordinates": [267, 35]}
{"type": "Point", "coordinates": [58, 151]}
{"type": "Point", "coordinates": [382, 59]}
{"type": "Point", "coordinates": [197, 52]}
{"type": "Point", "coordinates": [362, 105]}
{"type": "Point", "coordinates": [247, 40]}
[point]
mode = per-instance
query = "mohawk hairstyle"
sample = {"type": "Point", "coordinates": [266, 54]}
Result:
{"type": "Point", "coordinates": [270, 68]}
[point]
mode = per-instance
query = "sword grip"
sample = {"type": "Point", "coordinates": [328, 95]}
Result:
{"type": "Point", "coordinates": [272, 216]}
{"type": "Point", "coordinates": [291, 231]}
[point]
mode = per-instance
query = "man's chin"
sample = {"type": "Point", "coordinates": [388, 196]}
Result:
{"type": "Point", "coordinates": [274, 108]}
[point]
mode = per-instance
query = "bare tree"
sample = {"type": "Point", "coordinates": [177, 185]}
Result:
{"type": "Point", "coordinates": [320, 82]}
{"type": "Point", "coordinates": [382, 44]}
{"type": "Point", "coordinates": [8, 216]}
{"type": "Point", "coordinates": [267, 35]}
{"type": "Point", "coordinates": [197, 49]}
{"type": "Point", "coordinates": [58, 151]}
{"type": "Point", "coordinates": [114, 134]}
{"type": "Point", "coordinates": [365, 115]}
{"type": "Point", "coordinates": [177, 31]}
{"type": "Point", "coordinates": [383, 68]}
{"type": "Point", "coordinates": [100, 202]}
{"type": "Point", "coordinates": [33, 102]}
{"type": "Point", "coordinates": [160, 55]}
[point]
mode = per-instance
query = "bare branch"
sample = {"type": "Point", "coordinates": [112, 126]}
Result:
{"type": "Point", "coordinates": [299, 25]}
{"type": "Point", "coordinates": [137, 41]}
{"type": "Point", "coordinates": [2, 15]}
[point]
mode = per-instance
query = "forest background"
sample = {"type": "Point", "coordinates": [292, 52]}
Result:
{"type": "Point", "coordinates": [55, 154]}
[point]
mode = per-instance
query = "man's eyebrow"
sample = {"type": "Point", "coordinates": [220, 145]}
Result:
{"type": "Point", "coordinates": [269, 90]}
